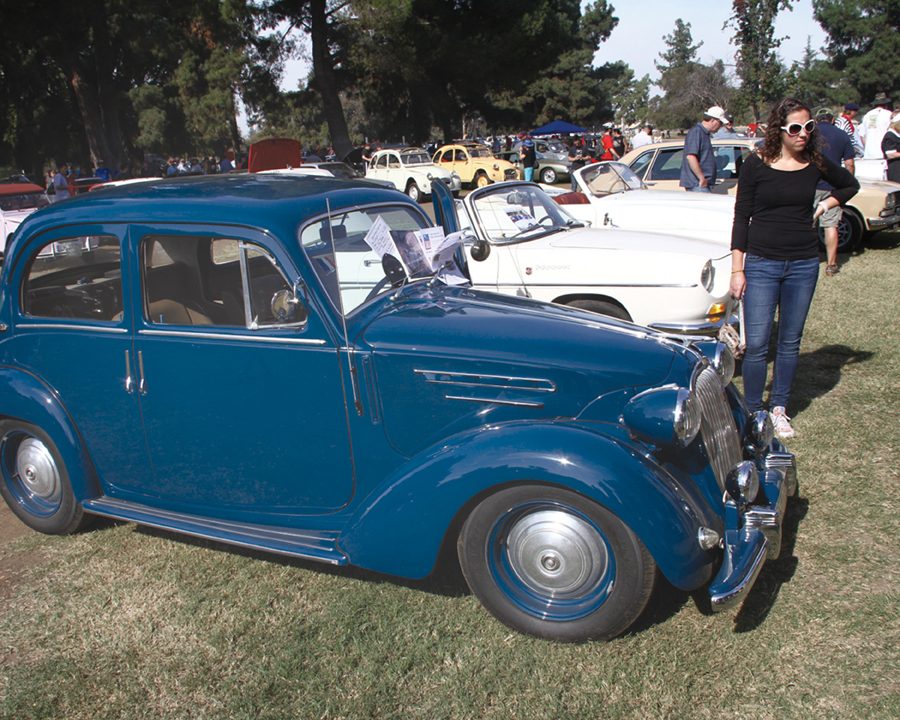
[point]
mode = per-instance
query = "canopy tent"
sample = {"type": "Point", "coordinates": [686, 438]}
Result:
{"type": "Point", "coordinates": [558, 127]}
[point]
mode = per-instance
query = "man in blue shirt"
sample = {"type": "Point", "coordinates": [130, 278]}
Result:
{"type": "Point", "coordinates": [837, 146]}
{"type": "Point", "coordinates": [698, 163]}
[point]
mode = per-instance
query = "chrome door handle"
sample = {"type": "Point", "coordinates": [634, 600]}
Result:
{"type": "Point", "coordinates": [129, 381]}
{"type": "Point", "coordinates": [142, 385]}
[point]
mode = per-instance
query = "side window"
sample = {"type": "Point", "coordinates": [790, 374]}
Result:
{"type": "Point", "coordinates": [381, 162]}
{"type": "Point", "coordinates": [461, 156]}
{"type": "Point", "coordinates": [78, 277]}
{"type": "Point", "coordinates": [447, 156]}
{"type": "Point", "coordinates": [191, 280]}
{"type": "Point", "coordinates": [667, 165]}
{"type": "Point", "coordinates": [393, 161]}
{"type": "Point", "coordinates": [641, 163]}
{"type": "Point", "coordinates": [727, 161]}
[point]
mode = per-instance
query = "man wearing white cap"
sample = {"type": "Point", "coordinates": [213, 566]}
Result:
{"type": "Point", "coordinates": [698, 164]}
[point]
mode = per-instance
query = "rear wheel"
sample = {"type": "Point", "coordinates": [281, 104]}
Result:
{"type": "Point", "coordinates": [548, 176]}
{"type": "Point", "coordinates": [551, 563]}
{"type": "Point", "coordinates": [850, 232]}
{"type": "Point", "coordinates": [35, 482]}
{"type": "Point", "coordinates": [601, 307]}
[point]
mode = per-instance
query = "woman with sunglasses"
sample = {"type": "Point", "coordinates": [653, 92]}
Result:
{"type": "Point", "coordinates": [775, 248]}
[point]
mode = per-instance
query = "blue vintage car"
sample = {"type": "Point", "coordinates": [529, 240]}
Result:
{"type": "Point", "coordinates": [189, 357]}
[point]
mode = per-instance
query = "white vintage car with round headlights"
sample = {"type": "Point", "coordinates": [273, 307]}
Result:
{"type": "Point", "coordinates": [411, 171]}
{"type": "Point", "coordinates": [526, 244]}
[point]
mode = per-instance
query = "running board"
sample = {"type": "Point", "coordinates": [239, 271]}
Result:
{"type": "Point", "coordinates": [319, 545]}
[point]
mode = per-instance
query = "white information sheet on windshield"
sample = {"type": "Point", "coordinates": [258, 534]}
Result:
{"type": "Point", "coordinates": [520, 217]}
{"type": "Point", "coordinates": [421, 252]}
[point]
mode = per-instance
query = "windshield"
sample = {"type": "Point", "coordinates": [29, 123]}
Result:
{"type": "Point", "coordinates": [339, 251]}
{"type": "Point", "coordinates": [23, 201]}
{"type": "Point", "coordinates": [608, 178]}
{"type": "Point", "coordinates": [419, 157]}
{"type": "Point", "coordinates": [340, 170]}
{"type": "Point", "coordinates": [514, 213]}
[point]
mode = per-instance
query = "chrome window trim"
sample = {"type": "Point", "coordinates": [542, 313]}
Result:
{"type": "Point", "coordinates": [62, 326]}
{"type": "Point", "coordinates": [601, 285]}
{"type": "Point", "coordinates": [226, 336]}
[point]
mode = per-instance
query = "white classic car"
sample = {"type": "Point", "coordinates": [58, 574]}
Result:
{"type": "Point", "coordinates": [610, 195]}
{"type": "Point", "coordinates": [17, 201]}
{"type": "Point", "coordinates": [520, 242]}
{"type": "Point", "coordinates": [411, 171]}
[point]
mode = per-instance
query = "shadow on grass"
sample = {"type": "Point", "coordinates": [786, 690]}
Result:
{"type": "Point", "coordinates": [775, 573]}
{"type": "Point", "coordinates": [819, 372]}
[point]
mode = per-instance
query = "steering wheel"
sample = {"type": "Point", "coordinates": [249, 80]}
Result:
{"type": "Point", "coordinates": [393, 274]}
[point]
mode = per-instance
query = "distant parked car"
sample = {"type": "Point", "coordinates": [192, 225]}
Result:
{"type": "Point", "coordinates": [410, 170]}
{"type": "Point", "coordinates": [553, 164]}
{"type": "Point", "coordinates": [474, 163]}
{"type": "Point", "coordinates": [875, 207]}
{"type": "Point", "coordinates": [17, 201]}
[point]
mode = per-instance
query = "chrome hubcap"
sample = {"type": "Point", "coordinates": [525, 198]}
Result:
{"type": "Point", "coordinates": [37, 470]}
{"type": "Point", "coordinates": [556, 553]}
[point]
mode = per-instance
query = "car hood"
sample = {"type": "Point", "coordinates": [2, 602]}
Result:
{"type": "Point", "coordinates": [451, 359]}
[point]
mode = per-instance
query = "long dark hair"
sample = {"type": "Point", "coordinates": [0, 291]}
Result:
{"type": "Point", "coordinates": [771, 147]}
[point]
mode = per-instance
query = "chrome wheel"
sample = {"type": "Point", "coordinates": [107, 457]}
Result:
{"type": "Point", "coordinates": [552, 562]}
{"type": "Point", "coordinates": [548, 176]}
{"type": "Point", "coordinates": [31, 474]}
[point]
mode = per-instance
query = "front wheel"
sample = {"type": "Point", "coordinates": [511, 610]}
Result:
{"type": "Point", "coordinates": [551, 563]}
{"type": "Point", "coordinates": [548, 176]}
{"type": "Point", "coordinates": [601, 307]}
{"type": "Point", "coordinates": [35, 482]}
{"type": "Point", "coordinates": [482, 180]}
{"type": "Point", "coordinates": [412, 190]}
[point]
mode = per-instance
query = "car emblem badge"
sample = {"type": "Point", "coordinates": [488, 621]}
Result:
{"type": "Point", "coordinates": [528, 271]}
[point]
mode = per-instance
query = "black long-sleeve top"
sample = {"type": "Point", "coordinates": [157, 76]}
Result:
{"type": "Point", "coordinates": [773, 213]}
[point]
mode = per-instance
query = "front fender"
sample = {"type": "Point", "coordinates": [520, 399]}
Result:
{"type": "Point", "coordinates": [25, 397]}
{"type": "Point", "coordinates": [401, 526]}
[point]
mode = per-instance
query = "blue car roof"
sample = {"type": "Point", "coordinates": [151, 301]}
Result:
{"type": "Point", "coordinates": [276, 202]}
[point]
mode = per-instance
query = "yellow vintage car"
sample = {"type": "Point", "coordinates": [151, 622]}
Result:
{"type": "Point", "coordinates": [474, 163]}
{"type": "Point", "coordinates": [875, 207]}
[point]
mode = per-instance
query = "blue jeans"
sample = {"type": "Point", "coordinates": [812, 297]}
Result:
{"type": "Point", "coordinates": [529, 174]}
{"type": "Point", "coordinates": [789, 286]}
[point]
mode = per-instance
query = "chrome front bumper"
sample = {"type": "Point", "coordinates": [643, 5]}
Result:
{"type": "Point", "coordinates": [753, 533]}
{"type": "Point", "coordinates": [884, 222]}
{"type": "Point", "coordinates": [703, 327]}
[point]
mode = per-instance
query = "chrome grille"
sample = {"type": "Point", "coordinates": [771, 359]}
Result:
{"type": "Point", "coordinates": [717, 428]}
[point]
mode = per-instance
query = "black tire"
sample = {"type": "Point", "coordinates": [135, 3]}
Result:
{"type": "Point", "coordinates": [35, 482]}
{"type": "Point", "coordinates": [412, 190]}
{"type": "Point", "coordinates": [481, 180]}
{"type": "Point", "coordinates": [601, 307]}
{"type": "Point", "coordinates": [551, 563]}
{"type": "Point", "coordinates": [548, 176]}
{"type": "Point", "coordinates": [850, 232]}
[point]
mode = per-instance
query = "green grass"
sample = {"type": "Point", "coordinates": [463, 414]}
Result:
{"type": "Point", "coordinates": [122, 622]}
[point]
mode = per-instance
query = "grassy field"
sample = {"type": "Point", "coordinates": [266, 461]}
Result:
{"type": "Point", "coordinates": [123, 622]}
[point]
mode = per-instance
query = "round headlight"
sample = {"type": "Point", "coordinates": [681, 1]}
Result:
{"type": "Point", "coordinates": [761, 431]}
{"type": "Point", "coordinates": [742, 482]}
{"type": "Point", "coordinates": [723, 362]}
{"type": "Point", "coordinates": [707, 276]}
{"type": "Point", "coordinates": [687, 417]}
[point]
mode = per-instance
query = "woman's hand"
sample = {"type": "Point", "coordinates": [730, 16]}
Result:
{"type": "Point", "coordinates": [738, 284]}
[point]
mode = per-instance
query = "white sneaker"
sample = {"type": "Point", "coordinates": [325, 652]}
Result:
{"type": "Point", "coordinates": [781, 422]}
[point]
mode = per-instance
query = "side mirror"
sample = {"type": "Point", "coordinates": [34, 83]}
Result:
{"type": "Point", "coordinates": [480, 251]}
{"type": "Point", "coordinates": [287, 308]}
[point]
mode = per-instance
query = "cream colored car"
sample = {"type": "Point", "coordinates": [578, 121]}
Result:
{"type": "Point", "coordinates": [875, 207]}
{"type": "Point", "coordinates": [474, 163]}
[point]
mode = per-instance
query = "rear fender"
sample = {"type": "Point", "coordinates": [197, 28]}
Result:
{"type": "Point", "coordinates": [400, 528]}
{"type": "Point", "coordinates": [25, 397]}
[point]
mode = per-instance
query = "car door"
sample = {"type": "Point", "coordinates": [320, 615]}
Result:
{"type": "Point", "coordinates": [665, 170]}
{"type": "Point", "coordinates": [244, 412]}
{"type": "Point", "coordinates": [74, 332]}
